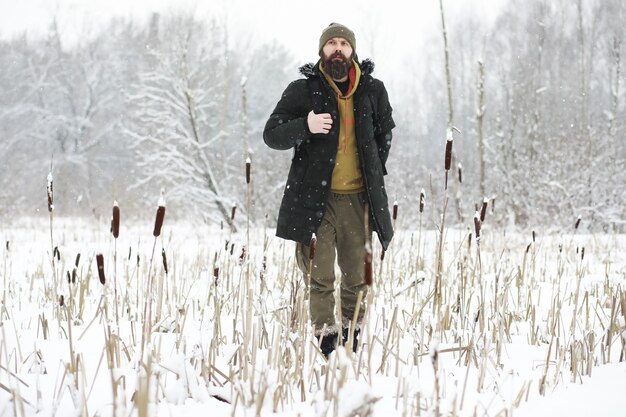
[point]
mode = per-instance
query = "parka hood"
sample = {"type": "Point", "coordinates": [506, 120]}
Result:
{"type": "Point", "coordinates": [311, 69]}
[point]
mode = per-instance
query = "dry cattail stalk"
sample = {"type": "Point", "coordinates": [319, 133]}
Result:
{"type": "Point", "coordinates": [395, 210]}
{"type": "Point", "coordinates": [312, 247]}
{"type": "Point", "coordinates": [577, 223]}
{"type": "Point", "coordinates": [477, 226]}
{"type": "Point", "coordinates": [100, 263]}
{"type": "Point", "coordinates": [460, 170]}
{"type": "Point", "coordinates": [368, 264]}
{"type": "Point", "coordinates": [158, 222]}
{"type": "Point", "coordinates": [248, 162]}
{"type": "Point", "coordinates": [483, 209]}
{"type": "Point", "coordinates": [422, 200]}
{"type": "Point", "coordinates": [164, 260]}
{"type": "Point", "coordinates": [50, 193]}
{"type": "Point", "coordinates": [115, 222]}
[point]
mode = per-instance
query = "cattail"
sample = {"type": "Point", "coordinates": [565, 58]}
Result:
{"type": "Point", "coordinates": [528, 247]}
{"type": "Point", "coordinates": [248, 170]}
{"type": "Point", "coordinates": [533, 232]}
{"type": "Point", "coordinates": [577, 223]}
{"type": "Point", "coordinates": [69, 278]}
{"type": "Point", "coordinates": [422, 200]}
{"type": "Point", "coordinates": [50, 193]}
{"type": "Point", "coordinates": [368, 265]}
{"type": "Point", "coordinates": [382, 254]}
{"type": "Point", "coordinates": [242, 256]}
{"type": "Point", "coordinates": [115, 222]}
{"type": "Point", "coordinates": [264, 266]}
{"type": "Point", "coordinates": [483, 209]}
{"type": "Point", "coordinates": [477, 226]}
{"type": "Point", "coordinates": [448, 159]}
{"type": "Point", "coordinates": [560, 248]}
{"type": "Point", "coordinates": [312, 247]}
{"type": "Point", "coordinates": [77, 260]}
{"type": "Point", "coordinates": [100, 263]}
{"type": "Point", "coordinates": [434, 354]}
{"type": "Point", "coordinates": [582, 253]}
{"type": "Point", "coordinates": [233, 211]}
{"type": "Point", "coordinates": [164, 260]}
{"type": "Point", "coordinates": [74, 276]}
{"type": "Point", "coordinates": [216, 273]}
{"type": "Point", "coordinates": [61, 300]}
{"type": "Point", "coordinates": [232, 248]}
{"type": "Point", "coordinates": [158, 223]}
{"type": "Point", "coordinates": [216, 269]}
{"type": "Point", "coordinates": [56, 253]}
{"type": "Point", "coordinates": [7, 245]}
{"type": "Point", "coordinates": [460, 170]}
{"type": "Point", "coordinates": [493, 205]}
{"type": "Point", "coordinates": [130, 251]}
{"type": "Point", "coordinates": [395, 210]}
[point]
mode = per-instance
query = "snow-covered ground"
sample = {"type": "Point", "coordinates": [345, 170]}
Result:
{"type": "Point", "coordinates": [522, 326]}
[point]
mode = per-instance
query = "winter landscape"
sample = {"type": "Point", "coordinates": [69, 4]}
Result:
{"type": "Point", "coordinates": [140, 272]}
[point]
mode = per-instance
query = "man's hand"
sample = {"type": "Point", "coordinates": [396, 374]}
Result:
{"type": "Point", "coordinates": [319, 123]}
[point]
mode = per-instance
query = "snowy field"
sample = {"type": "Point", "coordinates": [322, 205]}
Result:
{"type": "Point", "coordinates": [203, 322]}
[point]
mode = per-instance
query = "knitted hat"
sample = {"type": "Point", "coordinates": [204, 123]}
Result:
{"type": "Point", "coordinates": [336, 30]}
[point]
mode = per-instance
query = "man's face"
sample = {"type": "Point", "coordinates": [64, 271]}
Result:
{"type": "Point", "coordinates": [337, 58]}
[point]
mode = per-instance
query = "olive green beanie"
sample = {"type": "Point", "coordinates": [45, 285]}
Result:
{"type": "Point", "coordinates": [336, 30]}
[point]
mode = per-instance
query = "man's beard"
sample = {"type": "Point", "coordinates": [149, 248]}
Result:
{"type": "Point", "coordinates": [337, 65]}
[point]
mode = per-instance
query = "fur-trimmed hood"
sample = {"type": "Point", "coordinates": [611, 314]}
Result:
{"type": "Point", "coordinates": [311, 69]}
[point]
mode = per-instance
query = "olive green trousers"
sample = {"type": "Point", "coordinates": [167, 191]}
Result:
{"type": "Point", "coordinates": [341, 236]}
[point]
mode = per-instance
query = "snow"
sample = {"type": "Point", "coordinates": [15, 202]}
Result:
{"type": "Point", "coordinates": [224, 344]}
{"type": "Point", "coordinates": [602, 394]}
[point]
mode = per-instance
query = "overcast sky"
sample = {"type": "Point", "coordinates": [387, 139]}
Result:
{"type": "Point", "coordinates": [381, 26]}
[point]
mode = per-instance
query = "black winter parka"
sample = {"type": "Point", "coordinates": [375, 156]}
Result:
{"type": "Point", "coordinates": [308, 184]}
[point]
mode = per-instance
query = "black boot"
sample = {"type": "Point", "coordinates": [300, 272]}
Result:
{"type": "Point", "coordinates": [329, 343]}
{"type": "Point", "coordinates": [355, 338]}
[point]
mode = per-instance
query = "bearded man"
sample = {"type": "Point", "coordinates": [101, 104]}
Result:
{"type": "Point", "coordinates": [338, 122]}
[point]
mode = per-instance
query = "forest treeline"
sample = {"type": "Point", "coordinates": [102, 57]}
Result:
{"type": "Point", "coordinates": [539, 99]}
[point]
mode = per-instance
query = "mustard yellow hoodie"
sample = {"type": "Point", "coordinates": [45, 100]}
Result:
{"type": "Point", "coordinates": [347, 177]}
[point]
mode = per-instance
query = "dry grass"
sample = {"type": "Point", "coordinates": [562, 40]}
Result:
{"type": "Point", "coordinates": [210, 324]}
